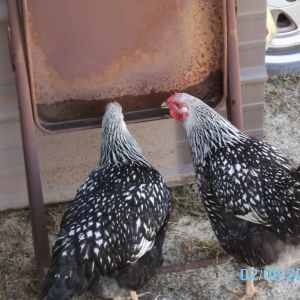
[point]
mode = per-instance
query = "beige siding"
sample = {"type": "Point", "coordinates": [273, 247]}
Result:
{"type": "Point", "coordinates": [66, 158]}
{"type": "Point", "coordinates": [252, 33]}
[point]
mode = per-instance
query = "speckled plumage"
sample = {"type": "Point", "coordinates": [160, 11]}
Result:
{"type": "Point", "coordinates": [111, 236]}
{"type": "Point", "coordinates": [251, 192]}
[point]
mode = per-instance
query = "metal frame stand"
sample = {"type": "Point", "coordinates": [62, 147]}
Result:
{"type": "Point", "coordinates": [34, 185]}
{"type": "Point", "coordinates": [234, 101]}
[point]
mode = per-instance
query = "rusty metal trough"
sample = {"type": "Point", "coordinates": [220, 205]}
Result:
{"type": "Point", "coordinates": [81, 56]}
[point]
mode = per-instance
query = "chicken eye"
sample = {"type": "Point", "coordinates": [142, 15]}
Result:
{"type": "Point", "coordinates": [184, 109]}
{"type": "Point", "coordinates": [177, 106]}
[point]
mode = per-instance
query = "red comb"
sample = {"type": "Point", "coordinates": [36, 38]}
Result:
{"type": "Point", "coordinates": [171, 98]}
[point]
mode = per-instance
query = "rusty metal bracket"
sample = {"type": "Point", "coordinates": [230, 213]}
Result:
{"type": "Point", "coordinates": [198, 264]}
{"type": "Point", "coordinates": [34, 185]}
{"type": "Point", "coordinates": [10, 47]}
{"type": "Point", "coordinates": [234, 100]}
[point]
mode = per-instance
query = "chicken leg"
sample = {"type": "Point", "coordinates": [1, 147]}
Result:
{"type": "Point", "coordinates": [133, 295]}
{"type": "Point", "coordinates": [251, 291]}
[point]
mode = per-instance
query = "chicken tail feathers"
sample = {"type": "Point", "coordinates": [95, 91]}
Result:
{"type": "Point", "coordinates": [66, 277]}
{"type": "Point", "coordinates": [296, 173]}
{"type": "Point", "coordinates": [61, 283]}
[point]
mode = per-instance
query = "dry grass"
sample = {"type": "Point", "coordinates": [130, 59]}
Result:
{"type": "Point", "coordinates": [187, 200]}
{"type": "Point", "coordinates": [16, 252]}
{"type": "Point", "coordinates": [287, 90]}
{"type": "Point", "coordinates": [16, 257]}
{"type": "Point", "coordinates": [197, 247]}
{"type": "Point", "coordinates": [282, 118]}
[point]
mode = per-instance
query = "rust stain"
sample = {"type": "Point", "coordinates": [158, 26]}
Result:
{"type": "Point", "coordinates": [77, 110]}
{"type": "Point", "coordinates": [89, 55]}
{"type": "Point", "coordinates": [201, 263]}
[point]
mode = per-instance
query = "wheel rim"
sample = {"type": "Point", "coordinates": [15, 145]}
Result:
{"type": "Point", "coordinates": [286, 15]}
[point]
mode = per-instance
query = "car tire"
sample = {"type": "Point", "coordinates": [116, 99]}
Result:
{"type": "Point", "coordinates": [283, 54]}
{"type": "Point", "coordinates": [283, 61]}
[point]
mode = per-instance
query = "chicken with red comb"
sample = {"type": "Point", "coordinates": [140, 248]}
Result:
{"type": "Point", "coordinates": [250, 191]}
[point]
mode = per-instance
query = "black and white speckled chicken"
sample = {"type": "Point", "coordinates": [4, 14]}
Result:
{"type": "Point", "coordinates": [250, 191]}
{"type": "Point", "coordinates": [111, 236]}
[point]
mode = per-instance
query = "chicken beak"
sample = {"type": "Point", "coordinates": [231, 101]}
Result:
{"type": "Point", "coordinates": [165, 105]}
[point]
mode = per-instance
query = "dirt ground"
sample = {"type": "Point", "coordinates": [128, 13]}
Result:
{"type": "Point", "coordinates": [189, 236]}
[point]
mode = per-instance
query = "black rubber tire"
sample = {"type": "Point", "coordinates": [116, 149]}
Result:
{"type": "Point", "coordinates": [284, 68]}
